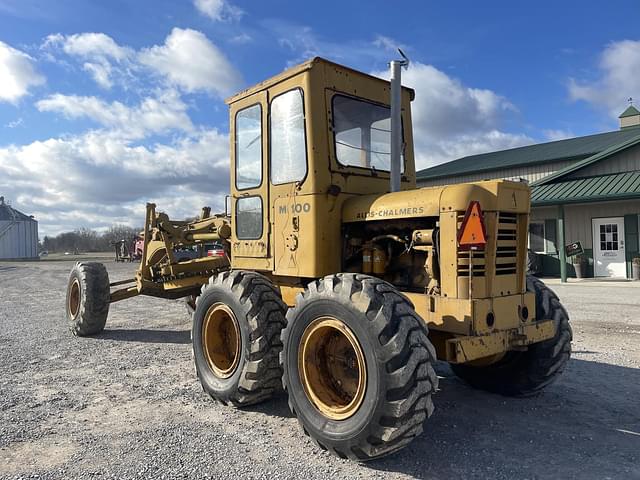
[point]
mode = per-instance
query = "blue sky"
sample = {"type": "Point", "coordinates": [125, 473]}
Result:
{"type": "Point", "coordinates": [107, 105]}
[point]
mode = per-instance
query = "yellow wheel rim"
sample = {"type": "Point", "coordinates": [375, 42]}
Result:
{"type": "Point", "coordinates": [332, 368]}
{"type": "Point", "coordinates": [74, 298]}
{"type": "Point", "coordinates": [221, 340]}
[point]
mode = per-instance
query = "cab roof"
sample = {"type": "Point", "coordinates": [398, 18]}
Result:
{"type": "Point", "coordinates": [303, 67]}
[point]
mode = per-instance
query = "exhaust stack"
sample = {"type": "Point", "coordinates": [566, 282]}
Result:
{"type": "Point", "coordinates": [396, 118]}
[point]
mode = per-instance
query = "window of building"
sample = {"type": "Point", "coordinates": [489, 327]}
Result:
{"type": "Point", "coordinates": [248, 147]}
{"type": "Point", "coordinates": [537, 236]}
{"type": "Point", "coordinates": [542, 236]}
{"type": "Point", "coordinates": [609, 237]}
{"type": "Point", "coordinates": [249, 218]}
{"type": "Point", "coordinates": [362, 133]}
{"type": "Point", "coordinates": [287, 138]}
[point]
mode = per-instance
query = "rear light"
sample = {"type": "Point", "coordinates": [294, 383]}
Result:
{"type": "Point", "coordinates": [472, 234]}
{"type": "Point", "coordinates": [218, 252]}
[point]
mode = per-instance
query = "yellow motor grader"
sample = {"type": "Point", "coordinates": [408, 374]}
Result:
{"type": "Point", "coordinates": [342, 282]}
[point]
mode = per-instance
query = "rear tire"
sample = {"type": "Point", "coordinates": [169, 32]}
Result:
{"type": "Point", "coordinates": [387, 337]}
{"type": "Point", "coordinates": [236, 337]}
{"type": "Point", "coordinates": [523, 374]}
{"type": "Point", "coordinates": [88, 298]}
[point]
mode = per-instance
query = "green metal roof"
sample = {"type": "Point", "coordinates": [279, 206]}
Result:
{"type": "Point", "coordinates": [631, 111]}
{"type": "Point", "coordinates": [589, 160]}
{"type": "Point", "coordinates": [571, 149]}
{"type": "Point", "coordinates": [618, 186]}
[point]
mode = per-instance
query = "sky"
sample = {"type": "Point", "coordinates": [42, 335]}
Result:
{"type": "Point", "coordinates": [107, 105]}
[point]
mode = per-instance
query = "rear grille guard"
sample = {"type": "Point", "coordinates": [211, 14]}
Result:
{"type": "Point", "coordinates": [506, 249]}
{"type": "Point", "coordinates": [507, 244]}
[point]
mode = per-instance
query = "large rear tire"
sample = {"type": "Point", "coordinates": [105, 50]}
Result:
{"type": "Point", "coordinates": [236, 337]}
{"type": "Point", "coordinates": [527, 373]}
{"type": "Point", "coordinates": [357, 366]}
{"type": "Point", "coordinates": [88, 297]}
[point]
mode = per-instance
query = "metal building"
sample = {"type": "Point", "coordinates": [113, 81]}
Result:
{"type": "Point", "coordinates": [18, 234]}
{"type": "Point", "coordinates": [584, 189]}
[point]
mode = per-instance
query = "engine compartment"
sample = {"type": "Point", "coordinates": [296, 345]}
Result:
{"type": "Point", "coordinates": [403, 253]}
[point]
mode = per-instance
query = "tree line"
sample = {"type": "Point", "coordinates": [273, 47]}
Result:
{"type": "Point", "coordinates": [87, 240]}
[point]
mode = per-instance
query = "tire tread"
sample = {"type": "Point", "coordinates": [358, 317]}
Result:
{"type": "Point", "coordinates": [405, 349]}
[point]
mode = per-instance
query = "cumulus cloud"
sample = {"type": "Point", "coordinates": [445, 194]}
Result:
{"type": "Point", "coordinates": [187, 60]}
{"type": "Point", "coordinates": [218, 10]}
{"type": "Point", "coordinates": [190, 61]}
{"type": "Point", "coordinates": [452, 120]}
{"type": "Point", "coordinates": [153, 115]}
{"type": "Point", "coordinates": [140, 147]}
{"type": "Point", "coordinates": [618, 78]}
{"type": "Point", "coordinates": [90, 45]}
{"type": "Point", "coordinates": [99, 178]}
{"type": "Point", "coordinates": [103, 57]}
{"type": "Point", "coordinates": [17, 74]}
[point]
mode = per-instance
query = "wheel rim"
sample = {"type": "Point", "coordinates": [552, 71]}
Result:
{"type": "Point", "coordinates": [332, 368]}
{"type": "Point", "coordinates": [221, 340]}
{"type": "Point", "coordinates": [74, 298]}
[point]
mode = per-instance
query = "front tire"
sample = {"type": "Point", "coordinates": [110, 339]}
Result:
{"type": "Point", "coordinates": [527, 373]}
{"type": "Point", "coordinates": [357, 366]}
{"type": "Point", "coordinates": [236, 337]}
{"type": "Point", "coordinates": [88, 298]}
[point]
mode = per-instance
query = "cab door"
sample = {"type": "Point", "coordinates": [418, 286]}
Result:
{"type": "Point", "coordinates": [249, 183]}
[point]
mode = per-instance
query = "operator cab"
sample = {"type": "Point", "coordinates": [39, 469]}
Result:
{"type": "Point", "coordinates": [302, 143]}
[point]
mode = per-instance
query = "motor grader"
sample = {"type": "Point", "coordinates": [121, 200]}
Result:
{"type": "Point", "coordinates": [342, 282]}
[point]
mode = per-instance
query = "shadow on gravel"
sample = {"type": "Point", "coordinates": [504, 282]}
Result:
{"type": "Point", "coordinates": [145, 335]}
{"type": "Point", "coordinates": [275, 407]}
{"type": "Point", "coordinates": [587, 424]}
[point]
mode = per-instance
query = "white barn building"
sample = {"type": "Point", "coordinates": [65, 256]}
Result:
{"type": "Point", "coordinates": [18, 234]}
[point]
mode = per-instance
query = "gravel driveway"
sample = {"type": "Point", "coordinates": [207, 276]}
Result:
{"type": "Point", "coordinates": [127, 404]}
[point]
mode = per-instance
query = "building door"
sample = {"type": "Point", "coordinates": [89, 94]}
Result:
{"type": "Point", "coordinates": [608, 247]}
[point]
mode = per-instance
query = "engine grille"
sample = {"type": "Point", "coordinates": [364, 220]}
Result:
{"type": "Point", "coordinates": [506, 249]}
{"type": "Point", "coordinates": [507, 244]}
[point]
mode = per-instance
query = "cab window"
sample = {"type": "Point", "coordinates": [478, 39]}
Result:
{"type": "Point", "coordinates": [249, 218]}
{"type": "Point", "coordinates": [362, 133]}
{"type": "Point", "coordinates": [288, 154]}
{"type": "Point", "coordinates": [248, 147]}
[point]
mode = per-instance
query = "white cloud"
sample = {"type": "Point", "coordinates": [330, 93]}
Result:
{"type": "Point", "coordinates": [187, 60]}
{"type": "Point", "coordinates": [141, 146]}
{"type": "Point", "coordinates": [90, 45]}
{"type": "Point", "coordinates": [388, 44]}
{"type": "Point", "coordinates": [241, 39]}
{"type": "Point", "coordinates": [618, 78]}
{"type": "Point", "coordinates": [218, 10]}
{"type": "Point", "coordinates": [15, 123]}
{"type": "Point", "coordinates": [305, 44]}
{"type": "Point", "coordinates": [101, 73]}
{"type": "Point", "coordinates": [17, 74]}
{"type": "Point", "coordinates": [452, 120]}
{"type": "Point", "coordinates": [99, 51]}
{"type": "Point", "coordinates": [153, 115]}
{"type": "Point", "coordinates": [191, 62]}
{"type": "Point", "coordinates": [99, 178]}
{"type": "Point", "coordinates": [557, 134]}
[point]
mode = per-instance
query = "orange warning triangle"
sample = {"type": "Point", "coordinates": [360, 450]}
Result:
{"type": "Point", "coordinates": [472, 234]}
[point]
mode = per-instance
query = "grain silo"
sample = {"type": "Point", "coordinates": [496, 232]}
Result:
{"type": "Point", "coordinates": [18, 234]}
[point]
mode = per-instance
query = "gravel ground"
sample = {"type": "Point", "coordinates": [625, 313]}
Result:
{"type": "Point", "coordinates": [127, 404]}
